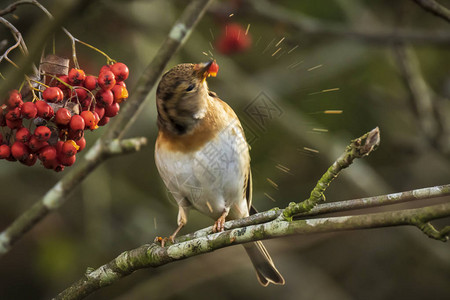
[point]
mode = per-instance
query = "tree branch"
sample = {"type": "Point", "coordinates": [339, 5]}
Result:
{"type": "Point", "coordinates": [270, 224]}
{"type": "Point", "coordinates": [426, 106]}
{"type": "Point", "coordinates": [154, 256]}
{"type": "Point", "coordinates": [311, 26]}
{"type": "Point", "coordinates": [435, 8]}
{"type": "Point", "coordinates": [57, 195]}
{"type": "Point", "coordinates": [333, 207]}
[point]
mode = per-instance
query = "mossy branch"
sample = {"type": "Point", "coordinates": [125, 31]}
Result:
{"type": "Point", "coordinates": [269, 224]}
{"type": "Point", "coordinates": [358, 148]}
{"type": "Point", "coordinates": [333, 207]}
{"type": "Point", "coordinates": [152, 255]}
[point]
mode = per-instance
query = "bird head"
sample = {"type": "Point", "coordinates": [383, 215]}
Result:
{"type": "Point", "coordinates": [182, 95]}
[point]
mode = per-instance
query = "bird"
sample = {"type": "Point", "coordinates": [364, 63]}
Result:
{"type": "Point", "coordinates": [203, 157]}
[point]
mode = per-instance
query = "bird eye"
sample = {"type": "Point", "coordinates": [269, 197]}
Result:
{"type": "Point", "coordinates": [190, 88]}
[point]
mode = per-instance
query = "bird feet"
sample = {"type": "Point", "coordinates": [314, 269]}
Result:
{"type": "Point", "coordinates": [219, 225]}
{"type": "Point", "coordinates": [171, 238]}
{"type": "Point", "coordinates": [164, 240]}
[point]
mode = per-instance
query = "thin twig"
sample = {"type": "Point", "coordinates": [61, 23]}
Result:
{"type": "Point", "coordinates": [426, 106]}
{"type": "Point", "coordinates": [308, 25]}
{"type": "Point", "coordinates": [435, 8]}
{"type": "Point", "coordinates": [358, 148]}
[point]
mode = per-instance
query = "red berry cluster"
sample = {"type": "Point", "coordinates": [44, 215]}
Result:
{"type": "Point", "coordinates": [67, 106]}
{"type": "Point", "coordinates": [234, 39]}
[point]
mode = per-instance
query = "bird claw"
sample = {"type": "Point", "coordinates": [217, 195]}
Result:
{"type": "Point", "coordinates": [219, 225]}
{"type": "Point", "coordinates": [164, 240]}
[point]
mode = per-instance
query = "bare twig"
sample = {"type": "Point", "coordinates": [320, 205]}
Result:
{"type": "Point", "coordinates": [435, 8]}
{"type": "Point", "coordinates": [40, 33]}
{"type": "Point", "coordinates": [57, 195]}
{"type": "Point", "coordinates": [358, 148]}
{"type": "Point", "coordinates": [311, 26]}
{"type": "Point", "coordinates": [425, 104]}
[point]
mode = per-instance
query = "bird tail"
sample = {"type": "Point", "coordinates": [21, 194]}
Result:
{"type": "Point", "coordinates": [266, 272]}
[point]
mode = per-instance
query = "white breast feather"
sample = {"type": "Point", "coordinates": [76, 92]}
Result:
{"type": "Point", "coordinates": [211, 178]}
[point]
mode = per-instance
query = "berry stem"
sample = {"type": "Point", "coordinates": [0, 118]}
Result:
{"type": "Point", "coordinates": [59, 80]}
{"type": "Point", "coordinates": [108, 59]}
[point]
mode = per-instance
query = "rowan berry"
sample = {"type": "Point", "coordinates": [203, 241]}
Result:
{"type": "Point", "coordinates": [104, 98]}
{"type": "Point", "coordinates": [81, 143]}
{"type": "Point", "coordinates": [53, 94]}
{"type": "Point", "coordinates": [91, 82]}
{"type": "Point", "coordinates": [23, 135]}
{"type": "Point", "coordinates": [63, 116]}
{"type": "Point", "coordinates": [29, 110]}
{"type": "Point", "coordinates": [103, 121]}
{"type": "Point", "coordinates": [89, 119]}
{"type": "Point", "coordinates": [48, 153]}
{"type": "Point", "coordinates": [15, 99]}
{"type": "Point", "coordinates": [69, 148]}
{"type": "Point", "coordinates": [76, 76]}
{"type": "Point", "coordinates": [19, 150]}
{"type": "Point", "coordinates": [42, 133]}
{"type": "Point", "coordinates": [120, 70]}
{"type": "Point", "coordinates": [5, 151]}
{"type": "Point", "coordinates": [106, 80]}
{"type": "Point", "coordinates": [77, 123]}
{"type": "Point", "coordinates": [13, 114]}
{"type": "Point", "coordinates": [120, 93]}
{"type": "Point", "coordinates": [35, 144]}
{"type": "Point", "coordinates": [29, 160]}
{"type": "Point", "coordinates": [44, 110]}
{"type": "Point", "coordinates": [67, 160]}
{"type": "Point", "coordinates": [112, 110]}
{"type": "Point", "coordinates": [14, 124]}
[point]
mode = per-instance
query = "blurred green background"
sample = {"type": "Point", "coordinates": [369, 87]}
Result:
{"type": "Point", "coordinates": [124, 204]}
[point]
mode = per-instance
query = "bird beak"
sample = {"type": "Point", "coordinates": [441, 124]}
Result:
{"type": "Point", "coordinates": [203, 70]}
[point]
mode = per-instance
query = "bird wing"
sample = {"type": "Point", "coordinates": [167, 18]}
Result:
{"type": "Point", "coordinates": [249, 193]}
